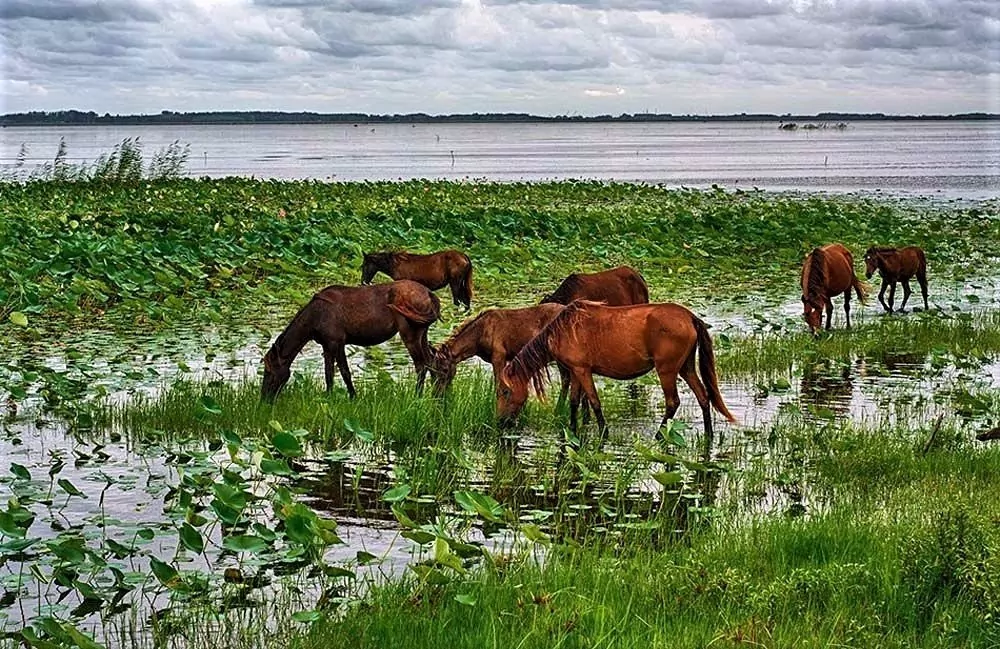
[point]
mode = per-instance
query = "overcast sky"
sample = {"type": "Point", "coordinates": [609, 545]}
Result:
{"type": "Point", "coordinates": [538, 56]}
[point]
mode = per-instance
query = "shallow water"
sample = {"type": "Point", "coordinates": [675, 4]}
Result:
{"type": "Point", "coordinates": [958, 159]}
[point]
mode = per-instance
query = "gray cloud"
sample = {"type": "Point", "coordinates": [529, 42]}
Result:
{"type": "Point", "coordinates": [547, 56]}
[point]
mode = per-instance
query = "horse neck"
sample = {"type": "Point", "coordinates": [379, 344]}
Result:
{"type": "Point", "coordinates": [463, 343]}
{"type": "Point", "coordinates": [291, 341]}
{"type": "Point", "coordinates": [814, 287]}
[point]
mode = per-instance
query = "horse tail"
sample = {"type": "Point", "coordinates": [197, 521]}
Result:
{"type": "Point", "coordinates": [426, 315]}
{"type": "Point", "coordinates": [922, 269]}
{"type": "Point", "coordinates": [861, 288]}
{"type": "Point", "coordinates": [706, 364]}
{"type": "Point", "coordinates": [465, 283]}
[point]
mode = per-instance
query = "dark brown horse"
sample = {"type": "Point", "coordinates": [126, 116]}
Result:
{"type": "Point", "coordinates": [897, 265]}
{"type": "Point", "coordinates": [354, 315]}
{"type": "Point", "coordinates": [620, 286]}
{"type": "Point", "coordinates": [437, 270]}
{"type": "Point", "coordinates": [495, 336]}
{"type": "Point", "coordinates": [622, 343]}
{"type": "Point", "coordinates": [827, 272]}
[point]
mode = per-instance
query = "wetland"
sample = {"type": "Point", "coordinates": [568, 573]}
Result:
{"type": "Point", "coordinates": [153, 500]}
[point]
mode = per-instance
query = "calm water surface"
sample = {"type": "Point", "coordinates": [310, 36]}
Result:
{"type": "Point", "coordinates": [952, 159]}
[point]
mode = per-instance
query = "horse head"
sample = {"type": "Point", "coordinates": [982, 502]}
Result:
{"type": "Point", "coordinates": [276, 375]}
{"type": "Point", "coordinates": [372, 263]}
{"type": "Point", "coordinates": [871, 262]}
{"type": "Point", "coordinates": [512, 393]}
{"type": "Point", "coordinates": [812, 311]}
{"type": "Point", "coordinates": [442, 367]}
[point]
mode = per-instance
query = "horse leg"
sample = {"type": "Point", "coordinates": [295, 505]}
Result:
{"type": "Point", "coordinates": [690, 377]}
{"type": "Point", "coordinates": [892, 294]}
{"type": "Point", "coordinates": [881, 295]}
{"type": "Point", "coordinates": [345, 371]}
{"type": "Point", "coordinates": [329, 358]}
{"type": "Point", "coordinates": [416, 343]}
{"type": "Point", "coordinates": [455, 284]}
{"type": "Point", "coordinates": [671, 398]}
{"type": "Point", "coordinates": [829, 312]}
{"type": "Point", "coordinates": [906, 294]}
{"type": "Point", "coordinates": [847, 307]}
{"type": "Point", "coordinates": [922, 280]}
{"type": "Point", "coordinates": [574, 404]}
{"type": "Point", "coordinates": [586, 381]}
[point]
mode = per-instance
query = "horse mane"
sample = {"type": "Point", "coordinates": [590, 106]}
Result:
{"type": "Point", "coordinates": [461, 329]}
{"type": "Point", "coordinates": [529, 363]}
{"type": "Point", "coordinates": [815, 279]}
{"type": "Point", "coordinates": [563, 294]}
{"type": "Point", "coordinates": [881, 250]}
{"type": "Point", "coordinates": [276, 356]}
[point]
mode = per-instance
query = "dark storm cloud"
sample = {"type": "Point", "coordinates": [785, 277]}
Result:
{"type": "Point", "coordinates": [535, 55]}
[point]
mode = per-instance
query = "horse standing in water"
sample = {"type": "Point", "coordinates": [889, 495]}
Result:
{"type": "Point", "coordinates": [437, 270]}
{"type": "Point", "coordinates": [897, 265]}
{"type": "Point", "coordinates": [620, 286]}
{"type": "Point", "coordinates": [621, 343]}
{"type": "Point", "coordinates": [827, 272]}
{"type": "Point", "coordinates": [354, 315]}
{"type": "Point", "coordinates": [495, 336]}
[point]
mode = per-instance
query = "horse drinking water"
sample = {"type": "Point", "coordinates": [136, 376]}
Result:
{"type": "Point", "coordinates": [827, 272]}
{"type": "Point", "coordinates": [354, 315]}
{"type": "Point", "coordinates": [437, 270]}
{"type": "Point", "coordinates": [897, 265]}
{"type": "Point", "coordinates": [621, 343]}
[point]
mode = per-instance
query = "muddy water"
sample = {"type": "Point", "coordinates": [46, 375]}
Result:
{"type": "Point", "coordinates": [126, 483]}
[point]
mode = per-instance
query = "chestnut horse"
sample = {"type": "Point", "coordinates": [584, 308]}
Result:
{"type": "Point", "coordinates": [827, 272]}
{"type": "Point", "coordinates": [897, 265]}
{"type": "Point", "coordinates": [354, 315]}
{"type": "Point", "coordinates": [495, 336]}
{"type": "Point", "coordinates": [622, 343]}
{"type": "Point", "coordinates": [620, 286]}
{"type": "Point", "coordinates": [437, 270]}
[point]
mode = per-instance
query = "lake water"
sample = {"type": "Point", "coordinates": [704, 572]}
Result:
{"type": "Point", "coordinates": [947, 159]}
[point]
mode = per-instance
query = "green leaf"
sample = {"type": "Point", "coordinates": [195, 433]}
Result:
{"type": "Point", "coordinates": [465, 600]}
{"type": "Point", "coordinates": [244, 543]}
{"type": "Point", "coordinates": [9, 527]}
{"type": "Point", "coordinates": [419, 537]}
{"type": "Point", "coordinates": [20, 471]}
{"type": "Point", "coordinates": [69, 488]}
{"type": "Point", "coordinates": [165, 573]}
{"type": "Point", "coordinates": [397, 494]}
{"type": "Point", "coordinates": [287, 444]}
{"type": "Point", "coordinates": [307, 616]}
{"type": "Point", "coordinates": [192, 539]}
{"type": "Point", "coordinates": [18, 318]}
{"type": "Point", "coordinates": [209, 405]}
{"type": "Point", "coordinates": [534, 534]}
{"type": "Point", "coordinates": [275, 467]}
{"type": "Point", "coordinates": [667, 478]}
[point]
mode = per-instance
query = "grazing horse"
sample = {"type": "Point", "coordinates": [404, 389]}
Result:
{"type": "Point", "coordinates": [897, 265]}
{"type": "Point", "coordinates": [354, 315]}
{"type": "Point", "coordinates": [495, 336]}
{"type": "Point", "coordinates": [621, 343]}
{"type": "Point", "coordinates": [827, 272]}
{"type": "Point", "coordinates": [620, 286]}
{"type": "Point", "coordinates": [437, 270]}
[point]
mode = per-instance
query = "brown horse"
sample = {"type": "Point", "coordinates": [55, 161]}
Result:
{"type": "Point", "coordinates": [354, 315]}
{"type": "Point", "coordinates": [827, 272]}
{"type": "Point", "coordinates": [495, 336]}
{"type": "Point", "coordinates": [621, 343]}
{"type": "Point", "coordinates": [620, 286]}
{"type": "Point", "coordinates": [437, 270]}
{"type": "Point", "coordinates": [897, 265]}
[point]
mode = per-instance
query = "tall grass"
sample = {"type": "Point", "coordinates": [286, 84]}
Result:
{"type": "Point", "coordinates": [124, 163]}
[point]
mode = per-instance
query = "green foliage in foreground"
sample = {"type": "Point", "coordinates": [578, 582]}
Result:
{"type": "Point", "coordinates": [173, 248]}
{"type": "Point", "coordinates": [886, 562]}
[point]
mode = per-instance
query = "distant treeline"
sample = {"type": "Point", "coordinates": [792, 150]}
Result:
{"type": "Point", "coordinates": [76, 117]}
